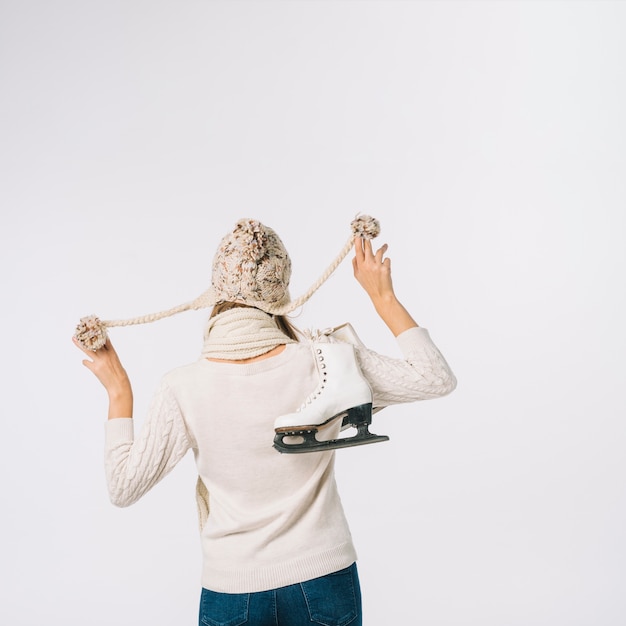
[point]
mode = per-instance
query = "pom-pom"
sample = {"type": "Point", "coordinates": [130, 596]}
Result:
{"type": "Point", "coordinates": [365, 226]}
{"type": "Point", "coordinates": [251, 237]}
{"type": "Point", "coordinates": [91, 333]}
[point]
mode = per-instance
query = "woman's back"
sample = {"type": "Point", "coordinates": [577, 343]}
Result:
{"type": "Point", "coordinates": [273, 517]}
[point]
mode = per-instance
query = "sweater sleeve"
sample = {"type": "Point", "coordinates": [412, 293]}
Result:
{"type": "Point", "coordinates": [134, 466]}
{"type": "Point", "coordinates": [422, 374]}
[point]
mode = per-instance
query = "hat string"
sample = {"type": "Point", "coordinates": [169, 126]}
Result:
{"type": "Point", "coordinates": [203, 301]}
{"type": "Point", "coordinates": [294, 304]}
{"type": "Point", "coordinates": [91, 331]}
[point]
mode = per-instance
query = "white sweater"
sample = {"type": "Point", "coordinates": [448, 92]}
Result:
{"type": "Point", "coordinates": [275, 519]}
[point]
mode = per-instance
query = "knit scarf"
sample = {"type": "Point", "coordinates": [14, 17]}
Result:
{"type": "Point", "coordinates": [242, 333]}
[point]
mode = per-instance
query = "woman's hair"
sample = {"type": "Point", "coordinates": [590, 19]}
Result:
{"type": "Point", "coordinates": [282, 322]}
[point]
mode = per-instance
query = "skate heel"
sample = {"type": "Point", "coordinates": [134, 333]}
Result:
{"type": "Point", "coordinates": [359, 415]}
{"type": "Point", "coordinates": [361, 418]}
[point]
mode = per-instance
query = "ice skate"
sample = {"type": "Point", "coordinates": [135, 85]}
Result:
{"type": "Point", "coordinates": [342, 393]}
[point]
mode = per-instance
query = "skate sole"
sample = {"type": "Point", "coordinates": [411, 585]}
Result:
{"type": "Point", "coordinates": [344, 415]}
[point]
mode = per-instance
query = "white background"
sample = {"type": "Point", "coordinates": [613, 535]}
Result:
{"type": "Point", "coordinates": [489, 140]}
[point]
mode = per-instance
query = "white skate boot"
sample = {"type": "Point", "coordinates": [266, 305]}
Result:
{"type": "Point", "coordinates": [342, 393]}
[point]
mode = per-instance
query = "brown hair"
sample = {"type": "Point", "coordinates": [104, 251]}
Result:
{"type": "Point", "coordinates": [282, 322]}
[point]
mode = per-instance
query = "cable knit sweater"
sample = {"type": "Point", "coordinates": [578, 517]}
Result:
{"type": "Point", "coordinates": [275, 519]}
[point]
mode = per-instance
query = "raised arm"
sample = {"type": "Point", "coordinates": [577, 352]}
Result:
{"type": "Point", "coordinates": [423, 373]}
{"type": "Point", "coordinates": [106, 366]}
{"type": "Point", "coordinates": [374, 274]}
{"type": "Point", "coordinates": [134, 465]}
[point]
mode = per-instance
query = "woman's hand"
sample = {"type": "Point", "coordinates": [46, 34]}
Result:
{"type": "Point", "coordinates": [106, 366]}
{"type": "Point", "coordinates": [373, 272]}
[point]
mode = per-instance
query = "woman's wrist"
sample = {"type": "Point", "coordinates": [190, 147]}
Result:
{"type": "Point", "coordinates": [121, 402]}
{"type": "Point", "coordinates": [119, 390]}
{"type": "Point", "coordinates": [393, 313]}
{"type": "Point", "coordinates": [385, 302]}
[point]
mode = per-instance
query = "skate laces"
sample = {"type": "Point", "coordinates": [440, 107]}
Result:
{"type": "Point", "coordinates": [323, 374]}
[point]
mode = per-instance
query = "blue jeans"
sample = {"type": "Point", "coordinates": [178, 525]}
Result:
{"type": "Point", "coordinates": [332, 600]}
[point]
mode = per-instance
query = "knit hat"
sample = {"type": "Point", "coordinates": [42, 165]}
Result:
{"type": "Point", "coordinates": [251, 266]}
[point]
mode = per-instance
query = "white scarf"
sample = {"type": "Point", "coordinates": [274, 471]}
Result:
{"type": "Point", "coordinates": [242, 333]}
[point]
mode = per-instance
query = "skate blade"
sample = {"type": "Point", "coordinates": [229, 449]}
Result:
{"type": "Point", "coordinates": [310, 444]}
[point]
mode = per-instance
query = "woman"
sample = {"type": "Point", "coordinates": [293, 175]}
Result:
{"type": "Point", "coordinates": [276, 545]}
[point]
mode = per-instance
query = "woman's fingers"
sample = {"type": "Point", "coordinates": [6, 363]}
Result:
{"type": "Point", "coordinates": [104, 362]}
{"type": "Point", "coordinates": [109, 347]}
{"type": "Point", "coordinates": [369, 250]}
{"type": "Point", "coordinates": [379, 253]}
{"type": "Point", "coordinates": [359, 253]}
{"type": "Point", "coordinates": [106, 350]}
{"type": "Point", "coordinates": [364, 252]}
{"type": "Point", "coordinates": [81, 347]}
